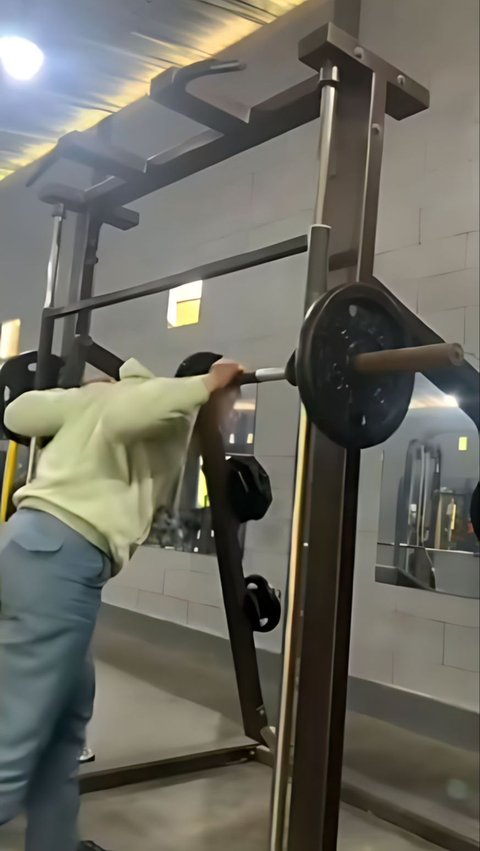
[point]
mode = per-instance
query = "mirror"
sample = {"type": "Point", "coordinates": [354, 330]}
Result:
{"type": "Point", "coordinates": [187, 527]}
{"type": "Point", "coordinates": [430, 469]}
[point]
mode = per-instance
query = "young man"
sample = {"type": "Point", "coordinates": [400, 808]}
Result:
{"type": "Point", "coordinates": [114, 459]}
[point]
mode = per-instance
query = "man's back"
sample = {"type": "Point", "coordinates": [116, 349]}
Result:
{"type": "Point", "coordinates": [115, 453]}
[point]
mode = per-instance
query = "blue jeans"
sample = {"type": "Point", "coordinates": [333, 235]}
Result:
{"type": "Point", "coordinates": [51, 580]}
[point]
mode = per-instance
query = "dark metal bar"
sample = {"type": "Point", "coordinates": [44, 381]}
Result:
{"type": "Point", "coordinates": [128, 775]}
{"type": "Point", "coordinates": [310, 821]}
{"type": "Point", "coordinates": [461, 382]}
{"type": "Point", "coordinates": [316, 285]}
{"type": "Point", "coordinates": [342, 650]}
{"type": "Point", "coordinates": [330, 523]}
{"type": "Point", "coordinates": [292, 108]}
{"type": "Point", "coordinates": [103, 360]}
{"type": "Point", "coordinates": [170, 90]}
{"type": "Point", "coordinates": [75, 200]}
{"type": "Point", "coordinates": [229, 555]}
{"type": "Point", "coordinates": [88, 274]}
{"type": "Point", "coordinates": [76, 273]}
{"type": "Point", "coordinates": [288, 248]}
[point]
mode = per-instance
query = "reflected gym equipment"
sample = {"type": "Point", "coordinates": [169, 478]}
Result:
{"type": "Point", "coordinates": [262, 605]}
{"type": "Point", "coordinates": [365, 364]}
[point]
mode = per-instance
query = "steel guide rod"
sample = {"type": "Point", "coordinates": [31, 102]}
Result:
{"type": "Point", "coordinates": [329, 76]}
{"type": "Point", "coordinates": [46, 333]}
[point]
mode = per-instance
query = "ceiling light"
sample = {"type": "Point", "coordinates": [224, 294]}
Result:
{"type": "Point", "coordinates": [20, 57]}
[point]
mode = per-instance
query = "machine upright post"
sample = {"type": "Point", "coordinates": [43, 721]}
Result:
{"type": "Point", "coordinates": [316, 283]}
{"type": "Point", "coordinates": [46, 333]}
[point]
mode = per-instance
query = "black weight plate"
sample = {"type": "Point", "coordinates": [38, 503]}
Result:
{"type": "Point", "coordinates": [262, 605]}
{"type": "Point", "coordinates": [353, 410]}
{"type": "Point", "coordinates": [17, 376]}
{"type": "Point", "coordinates": [475, 511]}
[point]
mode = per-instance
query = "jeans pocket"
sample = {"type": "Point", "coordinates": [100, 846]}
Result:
{"type": "Point", "coordinates": [37, 539]}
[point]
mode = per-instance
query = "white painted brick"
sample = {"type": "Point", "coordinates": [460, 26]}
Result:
{"type": "Point", "coordinates": [204, 588]}
{"type": "Point", "coordinates": [177, 584]}
{"type": "Point", "coordinates": [279, 230]}
{"type": "Point", "coordinates": [451, 141]}
{"type": "Point", "coordinates": [404, 157]}
{"type": "Point", "coordinates": [164, 608]}
{"type": "Point", "coordinates": [371, 645]}
{"type": "Point", "coordinates": [273, 566]}
{"type": "Point", "coordinates": [406, 291]}
{"type": "Point", "coordinates": [365, 560]}
{"type": "Point", "coordinates": [370, 662]}
{"type": "Point", "coordinates": [398, 223]}
{"type": "Point", "coordinates": [472, 261]}
{"type": "Point", "coordinates": [455, 183]}
{"type": "Point", "coordinates": [420, 261]}
{"type": "Point", "coordinates": [450, 324]}
{"type": "Point", "coordinates": [126, 576]}
{"type": "Point", "coordinates": [449, 685]}
{"type": "Point", "coordinates": [439, 607]}
{"type": "Point", "coordinates": [207, 618]}
{"type": "Point", "coordinates": [462, 646]}
{"type": "Point", "coordinates": [282, 505]}
{"type": "Point", "coordinates": [203, 564]}
{"type": "Point", "coordinates": [120, 595]}
{"type": "Point", "coordinates": [146, 570]}
{"type": "Point", "coordinates": [448, 217]}
{"type": "Point", "coordinates": [277, 420]}
{"type": "Point", "coordinates": [280, 191]}
{"type": "Point", "coordinates": [472, 333]}
{"type": "Point", "coordinates": [444, 292]}
{"type": "Point", "coordinates": [417, 637]}
{"type": "Point", "coordinates": [371, 467]}
{"type": "Point", "coordinates": [268, 536]}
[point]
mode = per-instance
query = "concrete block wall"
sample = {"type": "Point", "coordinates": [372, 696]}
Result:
{"type": "Point", "coordinates": [427, 252]}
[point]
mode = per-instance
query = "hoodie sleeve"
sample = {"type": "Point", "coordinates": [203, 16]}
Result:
{"type": "Point", "coordinates": [138, 410]}
{"type": "Point", "coordinates": [40, 413]}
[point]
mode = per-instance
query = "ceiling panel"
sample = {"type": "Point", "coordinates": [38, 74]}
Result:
{"type": "Point", "coordinates": [101, 55]}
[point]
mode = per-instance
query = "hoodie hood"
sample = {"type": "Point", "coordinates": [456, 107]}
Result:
{"type": "Point", "coordinates": [134, 369]}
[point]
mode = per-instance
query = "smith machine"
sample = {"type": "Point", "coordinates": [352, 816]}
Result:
{"type": "Point", "coordinates": [357, 354]}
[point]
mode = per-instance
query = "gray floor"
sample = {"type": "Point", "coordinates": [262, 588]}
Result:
{"type": "Point", "coordinates": [136, 721]}
{"type": "Point", "coordinates": [224, 808]}
{"type": "Point", "coordinates": [159, 698]}
{"type": "Point", "coordinates": [208, 812]}
{"type": "Point", "coordinates": [185, 691]}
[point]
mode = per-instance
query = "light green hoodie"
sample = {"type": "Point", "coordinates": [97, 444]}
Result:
{"type": "Point", "coordinates": [116, 453]}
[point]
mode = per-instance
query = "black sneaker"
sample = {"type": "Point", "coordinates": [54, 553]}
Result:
{"type": "Point", "coordinates": [89, 846]}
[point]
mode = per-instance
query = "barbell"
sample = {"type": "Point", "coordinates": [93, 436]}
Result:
{"type": "Point", "coordinates": [354, 366]}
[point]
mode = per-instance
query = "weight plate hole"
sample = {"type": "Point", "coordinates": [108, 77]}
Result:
{"type": "Point", "coordinates": [352, 309]}
{"type": "Point", "coordinates": [6, 394]}
{"type": "Point", "coordinates": [32, 367]}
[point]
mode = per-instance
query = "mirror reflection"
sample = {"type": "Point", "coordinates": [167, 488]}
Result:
{"type": "Point", "coordinates": [187, 525]}
{"type": "Point", "coordinates": [430, 470]}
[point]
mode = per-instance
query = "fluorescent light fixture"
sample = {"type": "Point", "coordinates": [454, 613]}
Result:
{"type": "Point", "coordinates": [20, 57]}
{"type": "Point", "coordinates": [437, 400]}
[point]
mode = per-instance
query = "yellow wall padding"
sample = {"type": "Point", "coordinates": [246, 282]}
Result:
{"type": "Point", "coordinates": [8, 479]}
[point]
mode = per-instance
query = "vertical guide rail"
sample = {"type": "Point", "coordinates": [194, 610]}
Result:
{"type": "Point", "coordinates": [331, 512]}
{"type": "Point", "coordinates": [229, 555]}
{"type": "Point", "coordinates": [316, 284]}
{"type": "Point", "coordinates": [46, 332]}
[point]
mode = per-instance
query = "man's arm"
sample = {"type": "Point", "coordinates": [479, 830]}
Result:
{"type": "Point", "coordinates": [40, 413]}
{"type": "Point", "coordinates": [139, 411]}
